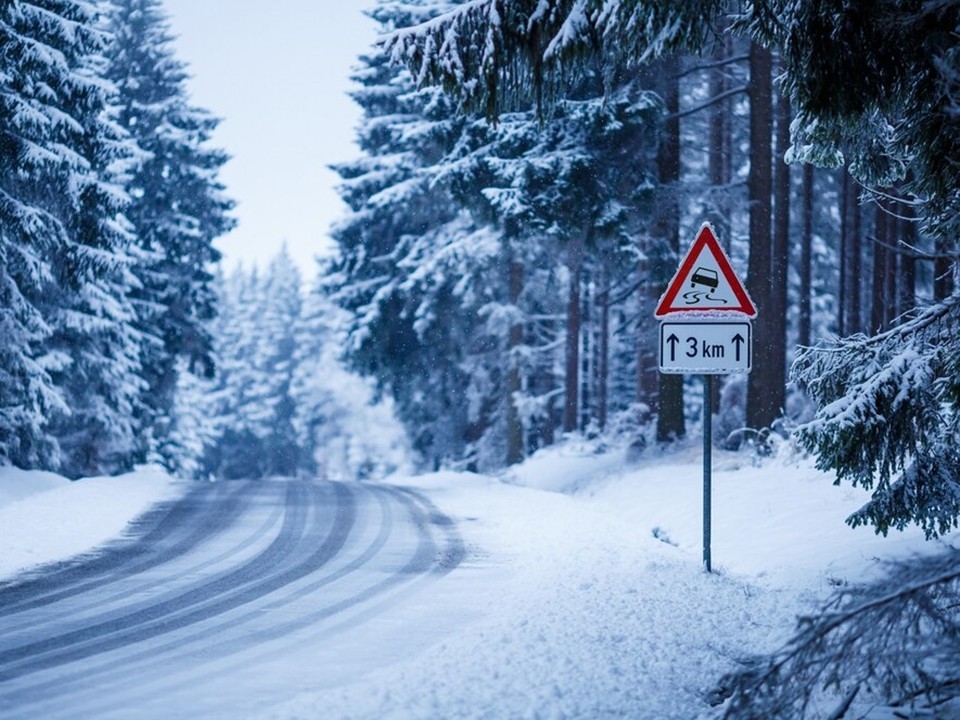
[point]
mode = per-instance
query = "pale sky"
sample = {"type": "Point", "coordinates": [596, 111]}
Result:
{"type": "Point", "coordinates": [277, 75]}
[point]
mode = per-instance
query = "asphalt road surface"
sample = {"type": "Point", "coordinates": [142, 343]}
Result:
{"type": "Point", "coordinates": [223, 602]}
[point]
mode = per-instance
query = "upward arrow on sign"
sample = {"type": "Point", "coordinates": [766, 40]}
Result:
{"type": "Point", "coordinates": [705, 282]}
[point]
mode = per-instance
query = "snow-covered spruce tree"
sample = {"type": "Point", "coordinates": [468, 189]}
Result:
{"type": "Point", "coordinates": [255, 348]}
{"type": "Point", "coordinates": [411, 347]}
{"type": "Point", "coordinates": [456, 228]}
{"type": "Point", "coordinates": [67, 163]}
{"type": "Point", "coordinates": [342, 432]}
{"type": "Point", "coordinates": [277, 322]}
{"type": "Point", "coordinates": [30, 234]}
{"type": "Point", "coordinates": [569, 197]}
{"type": "Point", "coordinates": [237, 398]}
{"type": "Point", "coordinates": [889, 418]}
{"type": "Point", "coordinates": [178, 205]}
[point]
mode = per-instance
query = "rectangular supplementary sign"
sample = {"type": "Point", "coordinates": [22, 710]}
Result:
{"type": "Point", "coordinates": [709, 347]}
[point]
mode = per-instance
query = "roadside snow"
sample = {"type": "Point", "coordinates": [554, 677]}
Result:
{"type": "Point", "coordinates": [593, 602]}
{"type": "Point", "coordinates": [45, 517]}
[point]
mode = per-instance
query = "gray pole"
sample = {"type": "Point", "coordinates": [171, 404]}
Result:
{"type": "Point", "coordinates": [707, 464]}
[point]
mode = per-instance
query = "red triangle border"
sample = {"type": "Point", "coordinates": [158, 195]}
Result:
{"type": "Point", "coordinates": [705, 237]}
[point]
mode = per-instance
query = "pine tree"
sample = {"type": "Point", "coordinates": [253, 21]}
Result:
{"type": "Point", "coordinates": [889, 418]}
{"type": "Point", "coordinates": [178, 205]}
{"type": "Point", "coordinates": [67, 160]}
{"type": "Point", "coordinates": [402, 331]}
{"type": "Point", "coordinates": [30, 233]}
{"type": "Point", "coordinates": [278, 318]}
{"type": "Point", "coordinates": [238, 398]}
{"type": "Point", "coordinates": [343, 432]}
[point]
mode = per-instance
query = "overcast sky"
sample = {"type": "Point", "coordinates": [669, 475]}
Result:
{"type": "Point", "coordinates": [277, 74]}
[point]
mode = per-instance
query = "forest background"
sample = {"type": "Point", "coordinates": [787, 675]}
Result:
{"type": "Point", "coordinates": [496, 276]}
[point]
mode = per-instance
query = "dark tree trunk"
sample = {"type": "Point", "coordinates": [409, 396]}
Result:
{"type": "Point", "coordinates": [843, 279]}
{"type": "Point", "coordinates": [779, 259]}
{"type": "Point", "coordinates": [892, 265]}
{"type": "Point", "coordinates": [603, 362]}
{"type": "Point", "coordinates": [670, 421]}
{"type": "Point", "coordinates": [856, 318]}
{"type": "Point", "coordinates": [586, 350]}
{"type": "Point", "coordinates": [546, 383]}
{"type": "Point", "coordinates": [571, 381]}
{"type": "Point", "coordinates": [764, 402]}
{"type": "Point", "coordinates": [943, 270]}
{"type": "Point", "coordinates": [907, 281]}
{"type": "Point", "coordinates": [514, 380]}
{"type": "Point", "coordinates": [880, 300]}
{"type": "Point", "coordinates": [806, 259]}
{"type": "Point", "coordinates": [718, 158]}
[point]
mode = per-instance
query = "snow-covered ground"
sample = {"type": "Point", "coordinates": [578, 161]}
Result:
{"type": "Point", "coordinates": [583, 595]}
{"type": "Point", "coordinates": [44, 517]}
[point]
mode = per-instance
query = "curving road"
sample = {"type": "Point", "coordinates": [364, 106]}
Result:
{"type": "Point", "coordinates": [223, 602]}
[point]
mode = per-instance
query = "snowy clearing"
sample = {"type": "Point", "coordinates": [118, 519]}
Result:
{"type": "Point", "coordinates": [582, 594]}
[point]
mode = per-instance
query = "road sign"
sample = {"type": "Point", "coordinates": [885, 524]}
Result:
{"type": "Point", "coordinates": [712, 347]}
{"type": "Point", "coordinates": [706, 282]}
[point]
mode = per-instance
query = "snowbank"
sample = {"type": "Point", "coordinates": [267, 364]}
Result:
{"type": "Point", "coordinates": [586, 576]}
{"type": "Point", "coordinates": [45, 517]}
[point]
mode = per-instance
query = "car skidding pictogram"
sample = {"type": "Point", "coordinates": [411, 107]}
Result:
{"type": "Point", "coordinates": [705, 276]}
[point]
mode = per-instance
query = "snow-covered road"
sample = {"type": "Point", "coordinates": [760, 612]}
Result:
{"type": "Point", "coordinates": [200, 609]}
{"type": "Point", "coordinates": [570, 587]}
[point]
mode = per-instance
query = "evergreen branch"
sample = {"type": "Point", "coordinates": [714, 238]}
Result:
{"type": "Point", "coordinates": [713, 65]}
{"type": "Point", "coordinates": [726, 95]}
{"type": "Point", "coordinates": [880, 641]}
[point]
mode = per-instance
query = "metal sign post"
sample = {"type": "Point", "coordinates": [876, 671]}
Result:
{"type": "Point", "coordinates": [705, 329]}
{"type": "Point", "coordinates": [707, 465]}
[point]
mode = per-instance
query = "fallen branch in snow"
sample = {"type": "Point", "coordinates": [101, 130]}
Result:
{"type": "Point", "coordinates": [894, 642]}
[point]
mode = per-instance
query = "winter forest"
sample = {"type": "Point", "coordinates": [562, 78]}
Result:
{"type": "Point", "coordinates": [528, 175]}
{"type": "Point", "coordinates": [516, 209]}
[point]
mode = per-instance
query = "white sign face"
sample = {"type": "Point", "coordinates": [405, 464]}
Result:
{"type": "Point", "coordinates": [715, 347]}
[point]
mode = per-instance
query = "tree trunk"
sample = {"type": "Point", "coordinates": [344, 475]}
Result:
{"type": "Point", "coordinates": [943, 270]}
{"type": "Point", "coordinates": [779, 260]}
{"type": "Point", "coordinates": [878, 313]}
{"type": "Point", "coordinates": [856, 318]}
{"type": "Point", "coordinates": [571, 381]}
{"type": "Point", "coordinates": [843, 279]}
{"type": "Point", "coordinates": [586, 350]}
{"type": "Point", "coordinates": [670, 421]}
{"type": "Point", "coordinates": [806, 260]}
{"type": "Point", "coordinates": [764, 402]}
{"type": "Point", "coordinates": [907, 282]}
{"type": "Point", "coordinates": [718, 158]}
{"type": "Point", "coordinates": [891, 268]}
{"type": "Point", "coordinates": [514, 341]}
{"type": "Point", "coordinates": [603, 361]}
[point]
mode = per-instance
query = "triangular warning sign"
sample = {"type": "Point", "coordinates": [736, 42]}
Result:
{"type": "Point", "coordinates": [705, 282]}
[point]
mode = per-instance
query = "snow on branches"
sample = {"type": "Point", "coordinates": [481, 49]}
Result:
{"type": "Point", "coordinates": [499, 55]}
{"type": "Point", "coordinates": [889, 418]}
{"type": "Point", "coordinates": [894, 642]}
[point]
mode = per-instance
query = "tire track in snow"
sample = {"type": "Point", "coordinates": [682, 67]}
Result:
{"type": "Point", "coordinates": [230, 613]}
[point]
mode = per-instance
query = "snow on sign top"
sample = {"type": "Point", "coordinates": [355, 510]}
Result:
{"type": "Point", "coordinates": [705, 282]}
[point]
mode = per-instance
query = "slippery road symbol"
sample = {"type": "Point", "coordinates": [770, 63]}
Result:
{"type": "Point", "coordinates": [706, 278]}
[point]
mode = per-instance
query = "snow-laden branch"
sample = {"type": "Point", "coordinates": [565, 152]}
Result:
{"type": "Point", "coordinates": [889, 418]}
{"type": "Point", "coordinates": [493, 55]}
